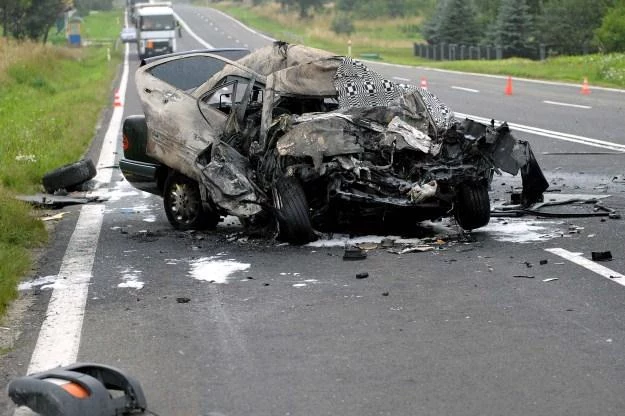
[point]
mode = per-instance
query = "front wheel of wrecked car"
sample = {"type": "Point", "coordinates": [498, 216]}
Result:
{"type": "Point", "coordinates": [183, 204]}
{"type": "Point", "coordinates": [292, 211]}
{"type": "Point", "coordinates": [472, 208]}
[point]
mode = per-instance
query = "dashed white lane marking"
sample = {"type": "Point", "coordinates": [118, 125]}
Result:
{"type": "Point", "coordinates": [243, 26]}
{"type": "Point", "coordinates": [59, 336]}
{"type": "Point", "coordinates": [585, 107]}
{"type": "Point", "coordinates": [553, 134]}
{"type": "Point", "coordinates": [402, 79]}
{"type": "Point", "coordinates": [464, 89]}
{"type": "Point", "coordinates": [589, 264]}
{"type": "Point", "coordinates": [192, 33]}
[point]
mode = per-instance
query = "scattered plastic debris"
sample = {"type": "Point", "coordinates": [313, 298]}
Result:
{"type": "Point", "coordinates": [387, 242]}
{"type": "Point", "coordinates": [523, 276]}
{"type": "Point", "coordinates": [57, 201]}
{"type": "Point", "coordinates": [54, 217]}
{"type": "Point", "coordinates": [601, 255]}
{"type": "Point", "coordinates": [354, 253]}
{"type": "Point", "coordinates": [363, 275]}
{"type": "Point", "coordinates": [183, 300]}
{"type": "Point", "coordinates": [551, 279]}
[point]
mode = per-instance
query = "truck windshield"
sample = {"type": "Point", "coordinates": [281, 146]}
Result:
{"type": "Point", "coordinates": [164, 22]}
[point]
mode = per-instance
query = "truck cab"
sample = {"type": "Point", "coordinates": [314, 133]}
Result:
{"type": "Point", "coordinates": [156, 29]}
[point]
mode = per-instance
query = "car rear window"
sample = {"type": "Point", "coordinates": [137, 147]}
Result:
{"type": "Point", "coordinates": [191, 72]}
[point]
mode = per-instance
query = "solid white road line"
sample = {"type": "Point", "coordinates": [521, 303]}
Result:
{"type": "Point", "coordinates": [552, 134]}
{"type": "Point", "coordinates": [464, 89]}
{"type": "Point", "coordinates": [589, 264]}
{"type": "Point", "coordinates": [59, 336]}
{"type": "Point", "coordinates": [585, 107]}
{"type": "Point", "coordinates": [192, 33]}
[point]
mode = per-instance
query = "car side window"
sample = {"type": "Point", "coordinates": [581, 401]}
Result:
{"type": "Point", "coordinates": [187, 73]}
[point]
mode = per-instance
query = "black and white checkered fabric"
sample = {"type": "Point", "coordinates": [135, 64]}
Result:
{"type": "Point", "coordinates": [358, 86]}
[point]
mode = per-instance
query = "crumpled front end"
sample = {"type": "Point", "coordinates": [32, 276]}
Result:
{"type": "Point", "coordinates": [374, 162]}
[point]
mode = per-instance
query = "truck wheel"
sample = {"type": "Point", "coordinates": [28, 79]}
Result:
{"type": "Point", "coordinates": [69, 175]}
{"type": "Point", "coordinates": [472, 205]}
{"type": "Point", "coordinates": [292, 211]}
{"type": "Point", "coordinates": [183, 204]}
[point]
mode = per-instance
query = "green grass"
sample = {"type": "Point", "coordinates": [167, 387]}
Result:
{"type": "Point", "coordinates": [393, 39]}
{"type": "Point", "coordinates": [51, 98]}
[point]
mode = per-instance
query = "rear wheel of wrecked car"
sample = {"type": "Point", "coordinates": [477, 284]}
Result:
{"type": "Point", "coordinates": [69, 176]}
{"type": "Point", "coordinates": [183, 204]}
{"type": "Point", "coordinates": [472, 205]}
{"type": "Point", "coordinates": [292, 211]}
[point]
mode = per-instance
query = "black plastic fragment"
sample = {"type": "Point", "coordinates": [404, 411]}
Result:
{"type": "Point", "coordinates": [354, 253]}
{"type": "Point", "coordinates": [601, 255]}
{"type": "Point", "coordinates": [363, 275]}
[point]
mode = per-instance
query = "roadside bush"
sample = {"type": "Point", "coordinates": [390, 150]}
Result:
{"type": "Point", "coordinates": [611, 34]}
{"type": "Point", "coordinates": [342, 24]}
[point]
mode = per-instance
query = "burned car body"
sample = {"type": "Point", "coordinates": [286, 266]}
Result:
{"type": "Point", "coordinates": [317, 141]}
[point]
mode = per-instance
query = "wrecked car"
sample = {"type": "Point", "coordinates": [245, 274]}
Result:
{"type": "Point", "coordinates": [302, 139]}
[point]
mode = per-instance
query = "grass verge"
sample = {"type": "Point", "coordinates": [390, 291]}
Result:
{"type": "Point", "coordinates": [51, 98]}
{"type": "Point", "coordinates": [392, 39]}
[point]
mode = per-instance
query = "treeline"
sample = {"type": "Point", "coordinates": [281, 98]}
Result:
{"type": "Point", "coordinates": [356, 8]}
{"type": "Point", "coordinates": [33, 19]}
{"type": "Point", "coordinates": [519, 27]}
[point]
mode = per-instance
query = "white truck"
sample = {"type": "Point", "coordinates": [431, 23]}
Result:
{"type": "Point", "coordinates": [156, 29]}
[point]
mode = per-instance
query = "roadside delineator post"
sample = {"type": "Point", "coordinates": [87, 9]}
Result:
{"type": "Point", "coordinates": [509, 86]}
{"type": "Point", "coordinates": [424, 83]}
{"type": "Point", "coordinates": [585, 89]}
{"type": "Point", "coordinates": [117, 102]}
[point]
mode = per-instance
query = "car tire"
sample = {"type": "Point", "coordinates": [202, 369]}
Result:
{"type": "Point", "coordinates": [472, 205]}
{"type": "Point", "coordinates": [69, 175]}
{"type": "Point", "coordinates": [292, 211]}
{"type": "Point", "coordinates": [183, 204]}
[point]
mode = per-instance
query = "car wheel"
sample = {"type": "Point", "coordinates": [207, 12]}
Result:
{"type": "Point", "coordinates": [69, 176]}
{"type": "Point", "coordinates": [292, 211]}
{"type": "Point", "coordinates": [472, 205]}
{"type": "Point", "coordinates": [183, 204]}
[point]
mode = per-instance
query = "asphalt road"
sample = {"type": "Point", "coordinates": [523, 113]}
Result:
{"type": "Point", "coordinates": [218, 324]}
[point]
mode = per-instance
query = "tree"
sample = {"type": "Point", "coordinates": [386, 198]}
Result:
{"type": "Point", "coordinates": [30, 18]}
{"type": "Point", "coordinates": [454, 21]}
{"type": "Point", "coordinates": [432, 25]}
{"type": "Point", "coordinates": [514, 29]}
{"type": "Point", "coordinates": [569, 26]}
{"type": "Point", "coordinates": [611, 35]}
{"type": "Point", "coordinates": [306, 5]}
{"type": "Point", "coordinates": [346, 5]}
{"type": "Point", "coordinates": [12, 12]}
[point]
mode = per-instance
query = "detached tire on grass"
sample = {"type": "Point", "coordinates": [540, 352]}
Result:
{"type": "Point", "coordinates": [183, 204]}
{"type": "Point", "coordinates": [69, 175]}
{"type": "Point", "coordinates": [292, 211]}
{"type": "Point", "coordinates": [472, 205]}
